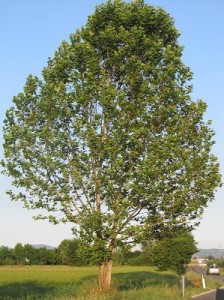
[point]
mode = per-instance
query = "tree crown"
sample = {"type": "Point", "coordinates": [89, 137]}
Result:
{"type": "Point", "coordinates": [109, 138]}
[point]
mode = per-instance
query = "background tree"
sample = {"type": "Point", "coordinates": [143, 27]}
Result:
{"type": "Point", "coordinates": [121, 255]}
{"type": "Point", "coordinates": [6, 256]}
{"type": "Point", "coordinates": [63, 252]}
{"type": "Point", "coordinates": [29, 253]}
{"type": "Point", "coordinates": [110, 136]}
{"type": "Point", "coordinates": [19, 254]}
{"type": "Point", "coordinates": [147, 252]}
{"type": "Point", "coordinates": [44, 256]}
{"type": "Point", "coordinates": [174, 253]}
{"type": "Point", "coordinates": [68, 253]}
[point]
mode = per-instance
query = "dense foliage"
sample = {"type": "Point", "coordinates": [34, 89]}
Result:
{"type": "Point", "coordinates": [67, 253]}
{"type": "Point", "coordinates": [27, 255]}
{"type": "Point", "coordinates": [110, 136]}
{"type": "Point", "coordinates": [174, 253]}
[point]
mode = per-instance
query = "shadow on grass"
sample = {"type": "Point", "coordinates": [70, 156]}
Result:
{"type": "Point", "coordinates": [137, 280]}
{"type": "Point", "coordinates": [24, 290]}
{"type": "Point", "coordinates": [143, 279]}
{"type": "Point", "coordinates": [31, 290]}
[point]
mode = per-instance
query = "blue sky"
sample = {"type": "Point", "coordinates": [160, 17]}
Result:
{"type": "Point", "coordinates": [30, 32]}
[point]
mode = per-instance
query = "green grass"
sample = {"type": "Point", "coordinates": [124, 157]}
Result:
{"type": "Point", "coordinates": [61, 283]}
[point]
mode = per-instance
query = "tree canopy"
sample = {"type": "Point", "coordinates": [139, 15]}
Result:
{"type": "Point", "coordinates": [174, 253]}
{"type": "Point", "coordinates": [109, 138]}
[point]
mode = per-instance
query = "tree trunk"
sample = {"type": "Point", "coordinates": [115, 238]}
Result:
{"type": "Point", "coordinates": [105, 271]}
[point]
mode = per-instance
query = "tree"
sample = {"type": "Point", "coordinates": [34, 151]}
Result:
{"type": "Point", "coordinates": [44, 256]}
{"type": "Point", "coordinates": [67, 252]}
{"type": "Point", "coordinates": [147, 252]}
{"type": "Point", "coordinates": [29, 253]}
{"type": "Point", "coordinates": [174, 253]}
{"type": "Point", "coordinates": [19, 254]}
{"type": "Point", "coordinates": [5, 255]}
{"type": "Point", "coordinates": [110, 137]}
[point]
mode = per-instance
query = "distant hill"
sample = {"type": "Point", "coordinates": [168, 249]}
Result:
{"type": "Point", "coordinates": [209, 252]}
{"type": "Point", "coordinates": [38, 246]}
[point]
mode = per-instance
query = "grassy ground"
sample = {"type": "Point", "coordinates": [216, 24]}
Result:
{"type": "Point", "coordinates": [61, 283]}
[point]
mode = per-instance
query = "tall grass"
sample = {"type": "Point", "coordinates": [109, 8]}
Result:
{"type": "Point", "coordinates": [68, 283]}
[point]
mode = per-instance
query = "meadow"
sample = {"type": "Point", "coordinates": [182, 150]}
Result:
{"type": "Point", "coordinates": [67, 283]}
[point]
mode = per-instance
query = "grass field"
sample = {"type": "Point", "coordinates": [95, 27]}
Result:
{"type": "Point", "coordinates": [63, 283]}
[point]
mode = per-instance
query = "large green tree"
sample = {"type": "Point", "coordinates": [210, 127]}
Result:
{"type": "Point", "coordinates": [109, 137]}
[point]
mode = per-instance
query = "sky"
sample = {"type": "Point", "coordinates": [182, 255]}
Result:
{"type": "Point", "coordinates": [30, 32]}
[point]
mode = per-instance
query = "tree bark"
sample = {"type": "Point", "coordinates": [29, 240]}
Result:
{"type": "Point", "coordinates": [105, 271]}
